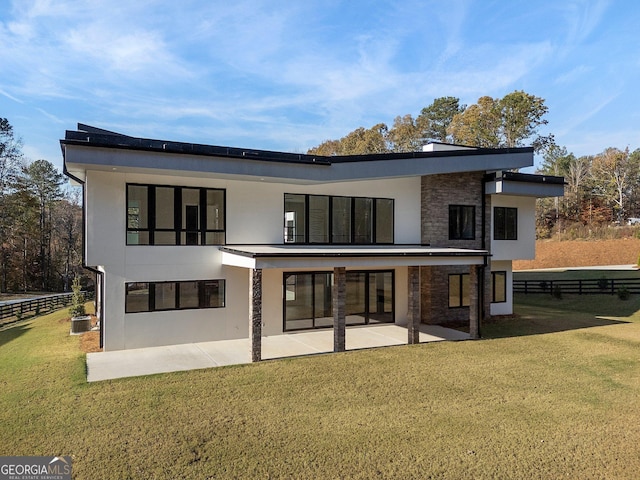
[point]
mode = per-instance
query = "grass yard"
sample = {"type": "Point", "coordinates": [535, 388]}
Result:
{"type": "Point", "coordinates": [553, 393]}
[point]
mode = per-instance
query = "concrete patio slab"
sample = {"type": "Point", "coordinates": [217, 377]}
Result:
{"type": "Point", "coordinates": [375, 336]}
{"type": "Point", "coordinates": [190, 356]}
{"type": "Point", "coordinates": [145, 361]}
{"type": "Point", "coordinates": [227, 352]}
{"type": "Point", "coordinates": [278, 346]}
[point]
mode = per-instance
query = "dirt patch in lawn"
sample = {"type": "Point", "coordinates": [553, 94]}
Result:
{"type": "Point", "coordinates": [582, 253]}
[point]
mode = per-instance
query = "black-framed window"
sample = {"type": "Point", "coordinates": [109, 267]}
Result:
{"type": "Point", "coordinates": [459, 286]}
{"type": "Point", "coordinates": [462, 222]}
{"type": "Point", "coordinates": [160, 296]}
{"type": "Point", "coordinates": [167, 215]}
{"type": "Point", "coordinates": [499, 287]}
{"type": "Point", "coordinates": [323, 219]}
{"type": "Point", "coordinates": [307, 303]}
{"type": "Point", "coordinates": [505, 223]}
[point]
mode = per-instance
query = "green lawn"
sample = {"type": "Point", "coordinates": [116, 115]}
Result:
{"type": "Point", "coordinates": [554, 393]}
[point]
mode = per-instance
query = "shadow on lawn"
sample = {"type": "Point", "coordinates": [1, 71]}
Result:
{"type": "Point", "coordinates": [522, 325]}
{"type": "Point", "coordinates": [12, 332]}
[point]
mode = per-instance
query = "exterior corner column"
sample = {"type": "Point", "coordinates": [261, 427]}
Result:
{"type": "Point", "coordinates": [255, 314]}
{"type": "Point", "coordinates": [474, 301]}
{"type": "Point", "coordinates": [413, 315]}
{"type": "Point", "coordinates": [339, 306]}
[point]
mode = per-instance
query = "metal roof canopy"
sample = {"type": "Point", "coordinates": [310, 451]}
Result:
{"type": "Point", "coordinates": [96, 149]}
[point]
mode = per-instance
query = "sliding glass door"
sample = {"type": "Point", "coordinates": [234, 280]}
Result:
{"type": "Point", "coordinates": [307, 302]}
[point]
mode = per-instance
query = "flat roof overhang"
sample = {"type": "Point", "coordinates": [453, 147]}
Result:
{"type": "Point", "coordinates": [81, 157]}
{"type": "Point", "coordinates": [524, 184]}
{"type": "Point", "coordinates": [322, 257]}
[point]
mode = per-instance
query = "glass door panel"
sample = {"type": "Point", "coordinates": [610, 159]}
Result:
{"type": "Point", "coordinates": [298, 301]}
{"type": "Point", "coordinates": [356, 298]}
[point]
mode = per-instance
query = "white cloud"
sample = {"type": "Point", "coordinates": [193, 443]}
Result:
{"type": "Point", "coordinates": [11, 97]}
{"type": "Point", "coordinates": [575, 74]}
{"type": "Point", "coordinates": [290, 74]}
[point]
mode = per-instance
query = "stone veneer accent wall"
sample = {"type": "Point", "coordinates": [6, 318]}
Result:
{"type": "Point", "coordinates": [255, 314]}
{"type": "Point", "coordinates": [437, 193]}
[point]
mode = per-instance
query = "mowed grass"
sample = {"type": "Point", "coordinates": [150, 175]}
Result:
{"type": "Point", "coordinates": [531, 400]}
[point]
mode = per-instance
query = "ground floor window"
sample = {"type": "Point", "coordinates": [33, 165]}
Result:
{"type": "Point", "coordinates": [307, 302]}
{"type": "Point", "coordinates": [459, 290]}
{"type": "Point", "coordinates": [159, 296]}
{"type": "Point", "coordinates": [499, 287]}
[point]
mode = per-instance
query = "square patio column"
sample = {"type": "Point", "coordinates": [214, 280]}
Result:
{"type": "Point", "coordinates": [255, 314]}
{"type": "Point", "coordinates": [413, 317]}
{"type": "Point", "coordinates": [339, 306]}
{"type": "Point", "coordinates": [474, 301]}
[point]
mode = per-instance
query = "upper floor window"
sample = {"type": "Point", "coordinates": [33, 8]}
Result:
{"type": "Point", "coordinates": [163, 215]}
{"type": "Point", "coordinates": [505, 223]}
{"type": "Point", "coordinates": [462, 222]}
{"type": "Point", "coordinates": [327, 219]}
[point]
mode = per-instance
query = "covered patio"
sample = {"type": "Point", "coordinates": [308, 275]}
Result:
{"type": "Point", "coordinates": [191, 356]}
{"type": "Point", "coordinates": [340, 259]}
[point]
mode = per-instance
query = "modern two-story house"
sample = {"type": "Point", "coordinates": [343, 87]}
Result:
{"type": "Point", "coordinates": [196, 243]}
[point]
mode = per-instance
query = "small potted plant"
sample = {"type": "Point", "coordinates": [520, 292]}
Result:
{"type": "Point", "coordinates": [80, 321]}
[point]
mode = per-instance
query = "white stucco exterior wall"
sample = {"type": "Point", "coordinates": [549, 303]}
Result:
{"type": "Point", "coordinates": [254, 215]}
{"type": "Point", "coordinates": [504, 308]}
{"type": "Point", "coordinates": [524, 248]}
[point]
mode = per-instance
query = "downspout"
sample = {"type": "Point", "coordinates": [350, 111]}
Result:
{"type": "Point", "coordinates": [97, 272]}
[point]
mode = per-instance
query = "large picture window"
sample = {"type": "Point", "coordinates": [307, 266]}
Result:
{"type": "Point", "coordinates": [158, 296]}
{"type": "Point", "coordinates": [459, 290]}
{"type": "Point", "coordinates": [323, 219]}
{"type": "Point", "coordinates": [505, 223]}
{"type": "Point", "coordinates": [165, 215]}
{"type": "Point", "coordinates": [307, 303]}
{"type": "Point", "coordinates": [462, 222]}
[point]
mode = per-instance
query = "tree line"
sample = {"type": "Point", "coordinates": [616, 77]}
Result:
{"type": "Point", "coordinates": [602, 189]}
{"type": "Point", "coordinates": [40, 222]}
{"type": "Point", "coordinates": [41, 219]}
{"type": "Point", "coordinates": [511, 121]}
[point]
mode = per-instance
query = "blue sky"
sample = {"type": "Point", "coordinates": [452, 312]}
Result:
{"type": "Point", "coordinates": [287, 75]}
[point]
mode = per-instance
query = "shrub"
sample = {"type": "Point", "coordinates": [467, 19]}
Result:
{"type": "Point", "coordinates": [77, 299]}
{"type": "Point", "coordinates": [544, 285]}
{"type": "Point", "coordinates": [557, 292]}
{"type": "Point", "coordinates": [623, 293]}
{"type": "Point", "coordinates": [603, 283]}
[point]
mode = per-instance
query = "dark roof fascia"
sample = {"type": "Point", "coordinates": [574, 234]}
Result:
{"type": "Point", "coordinates": [162, 146]}
{"type": "Point", "coordinates": [525, 177]}
{"type": "Point", "coordinates": [94, 137]}
{"type": "Point", "coordinates": [242, 253]}
{"type": "Point", "coordinates": [436, 154]}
